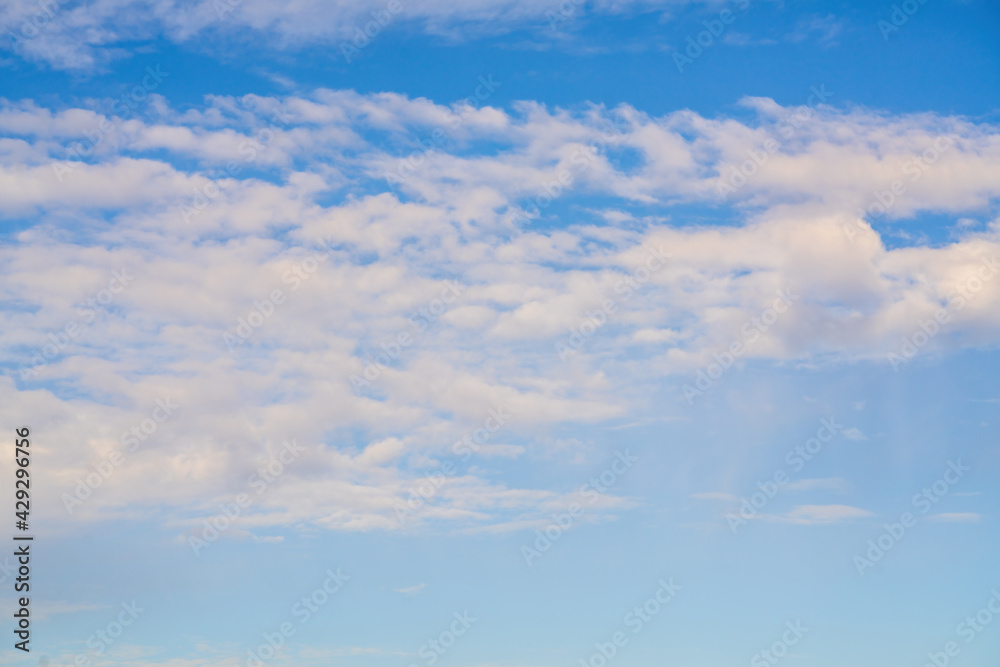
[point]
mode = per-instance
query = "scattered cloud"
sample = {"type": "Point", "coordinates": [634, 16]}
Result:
{"type": "Point", "coordinates": [387, 249]}
{"type": "Point", "coordinates": [823, 30]}
{"type": "Point", "coordinates": [829, 483]}
{"type": "Point", "coordinates": [87, 36]}
{"type": "Point", "coordinates": [957, 517]}
{"type": "Point", "coordinates": [411, 590]}
{"type": "Point", "coordinates": [824, 514]}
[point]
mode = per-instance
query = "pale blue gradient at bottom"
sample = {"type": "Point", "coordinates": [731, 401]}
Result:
{"type": "Point", "coordinates": [738, 591]}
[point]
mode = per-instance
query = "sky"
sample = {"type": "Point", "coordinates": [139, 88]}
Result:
{"type": "Point", "coordinates": [503, 333]}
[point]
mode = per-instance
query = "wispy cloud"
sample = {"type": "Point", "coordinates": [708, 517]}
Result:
{"type": "Point", "coordinates": [957, 517]}
{"type": "Point", "coordinates": [828, 483]}
{"type": "Point", "coordinates": [823, 514]}
{"type": "Point", "coordinates": [822, 29]}
{"type": "Point", "coordinates": [411, 590]}
{"type": "Point", "coordinates": [87, 36]}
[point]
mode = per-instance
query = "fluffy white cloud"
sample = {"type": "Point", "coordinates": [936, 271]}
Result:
{"type": "Point", "coordinates": [424, 273]}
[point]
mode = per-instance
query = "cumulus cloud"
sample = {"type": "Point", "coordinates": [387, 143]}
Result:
{"type": "Point", "coordinates": [303, 268]}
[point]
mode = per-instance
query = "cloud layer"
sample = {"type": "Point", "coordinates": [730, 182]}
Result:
{"type": "Point", "coordinates": [372, 275]}
{"type": "Point", "coordinates": [76, 35]}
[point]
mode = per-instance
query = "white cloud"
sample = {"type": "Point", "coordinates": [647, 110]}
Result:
{"type": "Point", "coordinates": [824, 514]}
{"type": "Point", "coordinates": [389, 255]}
{"type": "Point", "coordinates": [829, 483]}
{"type": "Point", "coordinates": [410, 590]}
{"type": "Point", "coordinates": [84, 36]}
{"type": "Point", "coordinates": [957, 517]}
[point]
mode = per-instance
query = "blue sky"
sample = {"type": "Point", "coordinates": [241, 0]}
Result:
{"type": "Point", "coordinates": [467, 380]}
